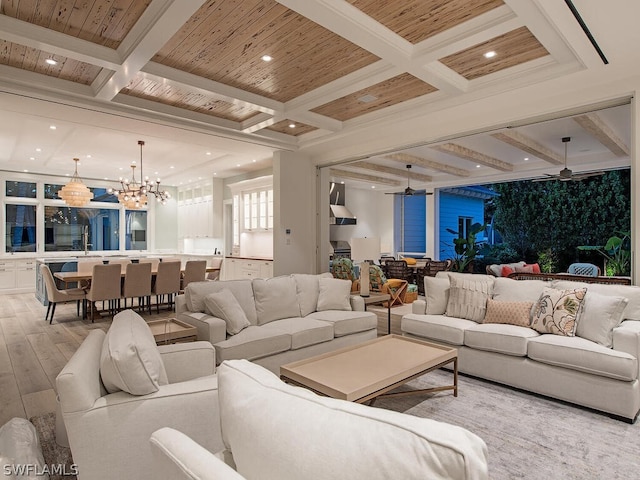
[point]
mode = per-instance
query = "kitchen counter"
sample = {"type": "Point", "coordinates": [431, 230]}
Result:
{"type": "Point", "coordinates": [262, 259]}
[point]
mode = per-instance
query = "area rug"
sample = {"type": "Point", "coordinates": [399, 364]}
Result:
{"type": "Point", "coordinates": [56, 457]}
{"type": "Point", "coordinates": [529, 436]}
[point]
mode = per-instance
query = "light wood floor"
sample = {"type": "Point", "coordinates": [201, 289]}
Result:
{"type": "Point", "coordinates": [32, 352]}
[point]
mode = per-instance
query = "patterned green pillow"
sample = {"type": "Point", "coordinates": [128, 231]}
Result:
{"type": "Point", "coordinates": [376, 278]}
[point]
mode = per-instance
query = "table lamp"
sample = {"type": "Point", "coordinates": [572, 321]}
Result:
{"type": "Point", "coordinates": [363, 250]}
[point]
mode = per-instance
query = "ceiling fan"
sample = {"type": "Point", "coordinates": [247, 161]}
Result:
{"type": "Point", "coordinates": [410, 192]}
{"type": "Point", "coordinates": [566, 174]}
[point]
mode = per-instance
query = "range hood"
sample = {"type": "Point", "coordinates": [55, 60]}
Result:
{"type": "Point", "coordinates": [338, 213]}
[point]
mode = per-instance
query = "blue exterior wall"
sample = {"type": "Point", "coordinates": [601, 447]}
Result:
{"type": "Point", "coordinates": [451, 207]}
{"type": "Point", "coordinates": [414, 224]}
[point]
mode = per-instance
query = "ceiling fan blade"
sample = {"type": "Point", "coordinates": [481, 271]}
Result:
{"type": "Point", "coordinates": [582, 176]}
{"type": "Point", "coordinates": [546, 179]}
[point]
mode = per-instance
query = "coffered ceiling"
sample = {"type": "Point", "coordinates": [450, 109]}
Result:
{"type": "Point", "coordinates": [191, 78]}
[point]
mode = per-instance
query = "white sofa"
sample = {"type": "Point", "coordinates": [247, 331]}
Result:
{"type": "Point", "coordinates": [275, 431]}
{"type": "Point", "coordinates": [596, 368]}
{"type": "Point", "coordinates": [289, 317]}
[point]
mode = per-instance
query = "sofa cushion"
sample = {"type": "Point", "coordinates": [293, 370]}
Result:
{"type": "Point", "coordinates": [436, 294]}
{"type": "Point", "coordinates": [307, 290]}
{"type": "Point", "coordinates": [267, 425]}
{"type": "Point", "coordinates": [583, 355]}
{"type": "Point", "coordinates": [346, 323]}
{"type": "Point", "coordinates": [276, 298]}
{"type": "Point", "coordinates": [252, 343]}
{"type": "Point", "coordinates": [304, 331]}
{"type": "Point", "coordinates": [334, 294]}
{"type": "Point", "coordinates": [510, 290]}
{"type": "Point", "coordinates": [558, 311]}
{"type": "Point", "coordinates": [437, 327]}
{"type": "Point", "coordinates": [130, 360]}
{"type": "Point", "coordinates": [242, 289]}
{"type": "Point", "coordinates": [630, 292]}
{"type": "Point", "coordinates": [500, 338]}
{"type": "Point", "coordinates": [512, 313]}
{"type": "Point", "coordinates": [468, 297]}
{"type": "Point", "coordinates": [600, 315]}
{"type": "Point", "coordinates": [224, 305]}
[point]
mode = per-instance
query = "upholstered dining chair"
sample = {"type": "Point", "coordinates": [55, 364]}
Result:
{"type": "Point", "coordinates": [194, 271]}
{"type": "Point", "coordinates": [86, 266]}
{"type": "Point", "coordinates": [153, 261]}
{"type": "Point", "coordinates": [137, 284]}
{"type": "Point", "coordinates": [105, 286]}
{"type": "Point", "coordinates": [167, 282]}
{"type": "Point", "coordinates": [55, 295]}
{"type": "Point", "coordinates": [123, 262]}
{"type": "Point", "coordinates": [215, 263]}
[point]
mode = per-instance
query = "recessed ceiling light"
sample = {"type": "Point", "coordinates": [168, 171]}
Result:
{"type": "Point", "coordinates": [199, 178]}
{"type": "Point", "coordinates": [477, 166]}
{"type": "Point", "coordinates": [25, 171]}
{"type": "Point", "coordinates": [208, 153]}
{"type": "Point", "coordinates": [38, 149]}
{"type": "Point", "coordinates": [120, 169]}
{"type": "Point", "coordinates": [88, 156]}
{"type": "Point", "coordinates": [490, 54]}
{"type": "Point", "coordinates": [237, 164]}
{"type": "Point", "coordinates": [106, 178]}
{"type": "Point", "coordinates": [215, 173]}
{"type": "Point", "coordinates": [155, 173]}
{"type": "Point", "coordinates": [51, 61]}
{"type": "Point", "coordinates": [267, 58]}
{"type": "Point", "coordinates": [171, 166]}
{"type": "Point", "coordinates": [526, 158]}
{"type": "Point", "coordinates": [66, 174]}
{"type": "Point", "coordinates": [368, 98]}
{"type": "Point", "coordinates": [292, 125]}
{"type": "Point", "coordinates": [52, 127]}
{"type": "Point", "coordinates": [342, 183]}
{"type": "Point", "coordinates": [32, 158]}
{"type": "Point", "coordinates": [254, 160]}
{"type": "Point", "coordinates": [373, 186]}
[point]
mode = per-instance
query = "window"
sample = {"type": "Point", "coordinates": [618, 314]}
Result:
{"type": "Point", "coordinates": [21, 228]}
{"type": "Point", "coordinates": [67, 228]}
{"type": "Point", "coordinates": [136, 230]}
{"type": "Point", "coordinates": [464, 225]}
{"type": "Point", "coordinates": [21, 189]}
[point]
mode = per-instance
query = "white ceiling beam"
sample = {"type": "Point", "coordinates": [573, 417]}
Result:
{"type": "Point", "coordinates": [158, 23]}
{"type": "Point", "coordinates": [364, 177]}
{"type": "Point", "coordinates": [57, 43]}
{"type": "Point", "coordinates": [427, 163]}
{"type": "Point", "coordinates": [17, 76]}
{"type": "Point", "coordinates": [529, 145]}
{"type": "Point", "coordinates": [599, 129]}
{"type": "Point", "coordinates": [474, 156]}
{"type": "Point", "coordinates": [257, 122]}
{"type": "Point", "coordinates": [314, 119]}
{"type": "Point", "coordinates": [419, 177]}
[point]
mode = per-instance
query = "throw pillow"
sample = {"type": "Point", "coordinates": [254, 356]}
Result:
{"type": "Point", "coordinates": [512, 313]}
{"type": "Point", "coordinates": [601, 314]}
{"type": "Point", "coordinates": [130, 360]}
{"type": "Point", "coordinates": [335, 294]}
{"type": "Point", "coordinates": [224, 305]}
{"type": "Point", "coordinates": [436, 294]}
{"type": "Point", "coordinates": [525, 269]}
{"type": "Point", "coordinates": [558, 311]}
{"type": "Point", "coordinates": [468, 298]}
{"type": "Point", "coordinates": [506, 271]}
{"type": "Point", "coordinates": [510, 290]}
{"type": "Point", "coordinates": [276, 298]}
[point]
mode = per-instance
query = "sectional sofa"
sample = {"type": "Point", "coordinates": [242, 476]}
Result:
{"type": "Point", "coordinates": [521, 333]}
{"type": "Point", "coordinates": [277, 320]}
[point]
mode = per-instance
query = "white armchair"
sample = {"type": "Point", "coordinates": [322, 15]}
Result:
{"type": "Point", "coordinates": [109, 432]}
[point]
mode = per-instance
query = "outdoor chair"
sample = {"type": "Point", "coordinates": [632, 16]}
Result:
{"type": "Point", "coordinates": [587, 269]}
{"type": "Point", "coordinates": [395, 287]}
{"type": "Point", "coordinates": [343, 268]}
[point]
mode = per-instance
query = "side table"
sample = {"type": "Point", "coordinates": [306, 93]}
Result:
{"type": "Point", "coordinates": [379, 299]}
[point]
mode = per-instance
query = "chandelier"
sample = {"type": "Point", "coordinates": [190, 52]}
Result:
{"type": "Point", "coordinates": [134, 194]}
{"type": "Point", "coordinates": [75, 193]}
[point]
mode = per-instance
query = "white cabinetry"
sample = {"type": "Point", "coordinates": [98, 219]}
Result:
{"type": "Point", "coordinates": [238, 268]}
{"type": "Point", "coordinates": [26, 274]}
{"type": "Point", "coordinates": [195, 212]}
{"type": "Point", "coordinates": [252, 210]}
{"type": "Point", "coordinates": [17, 275]}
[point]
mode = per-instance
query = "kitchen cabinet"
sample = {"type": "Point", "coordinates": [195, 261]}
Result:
{"type": "Point", "coordinates": [238, 268]}
{"type": "Point", "coordinates": [17, 275]}
{"type": "Point", "coordinates": [195, 212]}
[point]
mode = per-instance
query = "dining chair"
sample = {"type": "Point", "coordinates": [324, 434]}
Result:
{"type": "Point", "coordinates": [435, 266]}
{"type": "Point", "coordinates": [216, 262]}
{"type": "Point", "coordinates": [400, 269]}
{"type": "Point", "coordinates": [56, 295]}
{"type": "Point", "coordinates": [167, 282]}
{"type": "Point", "coordinates": [123, 262]}
{"type": "Point", "coordinates": [137, 284]}
{"type": "Point", "coordinates": [85, 266]}
{"type": "Point", "coordinates": [153, 261]}
{"type": "Point", "coordinates": [194, 271]}
{"type": "Point", "coordinates": [105, 286]}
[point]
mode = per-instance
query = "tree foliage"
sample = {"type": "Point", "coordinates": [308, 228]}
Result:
{"type": "Point", "coordinates": [557, 216]}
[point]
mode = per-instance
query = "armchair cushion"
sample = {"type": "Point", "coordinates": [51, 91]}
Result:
{"type": "Point", "coordinates": [130, 360]}
{"type": "Point", "coordinates": [224, 305]}
{"type": "Point", "coordinates": [335, 294]}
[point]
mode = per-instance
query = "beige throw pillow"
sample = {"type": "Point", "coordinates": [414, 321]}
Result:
{"type": "Point", "coordinates": [468, 297]}
{"type": "Point", "coordinates": [335, 294]}
{"type": "Point", "coordinates": [276, 298]}
{"type": "Point", "coordinates": [224, 305]}
{"type": "Point", "coordinates": [558, 311]}
{"type": "Point", "coordinates": [436, 294]}
{"type": "Point", "coordinates": [512, 313]}
{"type": "Point", "coordinates": [600, 315]}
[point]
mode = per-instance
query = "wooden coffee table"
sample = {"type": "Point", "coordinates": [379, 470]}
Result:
{"type": "Point", "coordinates": [369, 370]}
{"type": "Point", "coordinates": [172, 330]}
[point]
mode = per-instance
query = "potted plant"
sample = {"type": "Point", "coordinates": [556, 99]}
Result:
{"type": "Point", "coordinates": [617, 254]}
{"type": "Point", "coordinates": [466, 248]}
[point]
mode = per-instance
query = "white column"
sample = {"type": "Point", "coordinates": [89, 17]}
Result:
{"type": "Point", "coordinates": [432, 224]}
{"type": "Point", "coordinates": [635, 183]}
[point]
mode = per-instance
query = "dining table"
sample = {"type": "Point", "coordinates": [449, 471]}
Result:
{"type": "Point", "coordinates": [74, 276]}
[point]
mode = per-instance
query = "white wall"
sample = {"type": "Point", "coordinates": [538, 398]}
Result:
{"type": "Point", "coordinates": [165, 222]}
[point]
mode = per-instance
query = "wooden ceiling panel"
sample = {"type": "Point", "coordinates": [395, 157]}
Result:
{"type": "Point", "coordinates": [512, 48]}
{"type": "Point", "coordinates": [102, 22]}
{"type": "Point", "coordinates": [390, 92]}
{"type": "Point", "coordinates": [417, 20]}
{"type": "Point", "coordinates": [33, 60]}
{"type": "Point", "coordinates": [195, 101]}
{"type": "Point", "coordinates": [283, 127]}
{"type": "Point", "coordinates": [225, 40]}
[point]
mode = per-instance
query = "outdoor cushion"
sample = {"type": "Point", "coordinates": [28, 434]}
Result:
{"type": "Point", "coordinates": [242, 289]}
{"type": "Point", "coordinates": [630, 292]}
{"type": "Point", "coordinates": [307, 289]}
{"type": "Point", "coordinates": [496, 268]}
{"type": "Point", "coordinates": [436, 292]}
{"type": "Point", "coordinates": [437, 327]}
{"type": "Point", "coordinates": [500, 338]}
{"type": "Point", "coordinates": [267, 425]}
{"type": "Point", "coordinates": [346, 323]}
{"type": "Point", "coordinates": [600, 315]}
{"type": "Point", "coordinates": [510, 290]}
{"type": "Point", "coordinates": [583, 355]}
{"type": "Point", "coordinates": [275, 298]}
{"type": "Point", "coordinates": [304, 331]}
{"type": "Point", "coordinates": [253, 342]}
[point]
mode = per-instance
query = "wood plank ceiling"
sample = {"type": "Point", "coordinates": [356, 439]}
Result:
{"type": "Point", "coordinates": [334, 65]}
